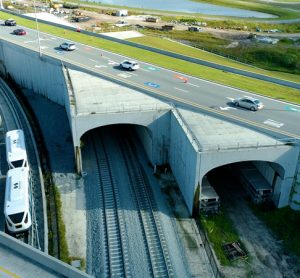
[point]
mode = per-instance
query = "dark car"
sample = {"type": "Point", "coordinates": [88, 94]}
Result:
{"type": "Point", "coordinates": [10, 22]}
{"type": "Point", "coordinates": [20, 32]}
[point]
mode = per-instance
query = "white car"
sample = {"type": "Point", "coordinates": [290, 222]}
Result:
{"type": "Point", "coordinates": [130, 65]}
{"type": "Point", "coordinates": [69, 46]}
{"type": "Point", "coordinates": [249, 103]}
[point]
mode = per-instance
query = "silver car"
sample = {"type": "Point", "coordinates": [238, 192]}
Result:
{"type": "Point", "coordinates": [68, 46]}
{"type": "Point", "coordinates": [248, 103]}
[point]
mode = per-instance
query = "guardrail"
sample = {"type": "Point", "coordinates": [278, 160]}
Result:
{"type": "Point", "coordinates": [170, 54]}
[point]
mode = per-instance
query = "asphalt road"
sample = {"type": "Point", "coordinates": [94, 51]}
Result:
{"type": "Point", "coordinates": [277, 117]}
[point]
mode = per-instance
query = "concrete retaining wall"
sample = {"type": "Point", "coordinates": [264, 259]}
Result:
{"type": "Point", "coordinates": [42, 75]}
{"type": "Point", "coordinates": [183, 159]}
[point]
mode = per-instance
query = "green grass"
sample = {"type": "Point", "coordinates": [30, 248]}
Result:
{"type": "Point", "coordinates": [63, 246]}
{"type": "Point", "coordinates": [164, 43]}
{"type": "Point", "coordinates": [268, 8]}
{"type": "Point", "coordinates": [64, 254]}
{"type": "Point", "coordinates": [220, 230]}
{"type": "Point", "coordinates": [237, 81]}
{"type": "Point", "coordinates": [285, 223]}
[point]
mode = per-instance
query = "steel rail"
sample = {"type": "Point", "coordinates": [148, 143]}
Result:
{"type": "Point", "coordinates": [117, 264]}
{"type": "Point", "coordinates": [152, 230]}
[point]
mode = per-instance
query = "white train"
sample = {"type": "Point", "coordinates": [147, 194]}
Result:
{"type": "Point", "coordinates": [17, 207]}
{"type": "Point", "coordinates": [16, 154]}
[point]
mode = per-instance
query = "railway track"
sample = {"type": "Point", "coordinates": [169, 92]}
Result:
{"type": "Point", "coordinates": [13, 117]}
{"type": "Point", "coordinates": [159, 262]}
{"type": "Point", "coordinates": [115, 247]}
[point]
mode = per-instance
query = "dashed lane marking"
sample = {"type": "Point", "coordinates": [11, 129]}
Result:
{"type": "Point", "coordinates": [110, 62]}
{"type": "Point", "coordinates": [273, 123]}
{"type": "Point", "coordinates": [93, 60]}
{"type": "Point", "coordinates": [124, 75]}
{"type": "Point", "coordinates": [182, 90]}
{"type": "Point", "coordinates": [194, 85]}
{"type": "Point", "coordinates": [227, 108]}
{"type": "Point", "coordinates": [230, 98]}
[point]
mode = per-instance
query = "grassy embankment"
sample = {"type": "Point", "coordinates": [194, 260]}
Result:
{"type": "Point", "coordinates": [64, 254]}
{"type": "Point", "coordinates": [220, 230]}
{"type": "Point", "coordinates": [214, 44]}
{"type": "Point", "coordinates": [237, 81]}
{"type": "Point", "coordinates": [285, 223]}
{"type": "Point", "coordinates": [268, 8]}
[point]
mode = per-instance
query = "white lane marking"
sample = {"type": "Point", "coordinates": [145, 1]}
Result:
{"type": "Point", "coordinates": [194, 85]}
{"type": "Point", "coordinates": [93, 60]}
{"type": "Point", "coordinates": [273, 123]}
{"type": "Point", "coordinates": [227, 108]}
{"type": "Point", "coordinates": [145, 70]}
{"type": "Point", "coordinates": [44, 47]}
{"type": "Point", "coordinates": [124, 75]}
{"type": "Point", "coordinates": [160, 67]}
{"type": "Point", "coordinates": [100, 66]}
{"type": "Point", "coordinates": [110, 62]}
{"type": "Point", "coordinates": [230, 98]}
{"type": "Point", "coordinates": [30, 41]}
{"type": "Point", "coordinates": [186, 91]}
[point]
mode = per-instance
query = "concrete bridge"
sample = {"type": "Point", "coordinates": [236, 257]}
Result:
{"type": "Point", "coordinates": [191, 141]}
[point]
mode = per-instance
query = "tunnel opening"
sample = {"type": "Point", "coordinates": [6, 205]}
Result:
{"type": "Point", "coordinates": [253, 182]}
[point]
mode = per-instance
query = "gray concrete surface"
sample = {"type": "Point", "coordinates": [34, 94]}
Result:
{"type": "Point", "coordinates": [21, 260]}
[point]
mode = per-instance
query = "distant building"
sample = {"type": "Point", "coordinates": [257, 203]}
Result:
{"type": "Point", "coordinates": [152, 19]}
{"type": "Point", "coordinates": [167, 27]}
{"type": "Point", "coordinates": [122, 13]}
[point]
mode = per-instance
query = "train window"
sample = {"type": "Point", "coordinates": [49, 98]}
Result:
{"type": "Point", "coordinates": [17, 163]}
{"type": "Point", "coordinates": [17, 217]}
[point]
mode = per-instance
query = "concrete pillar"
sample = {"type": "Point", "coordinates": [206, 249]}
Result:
{"type": "Point", "coordinates": [78, 160]}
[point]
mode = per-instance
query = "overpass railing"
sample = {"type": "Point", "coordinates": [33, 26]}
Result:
{"type": "Point", "coordinates": [130, 108]}
{"type": "Point", "coordinates": [250, 145]}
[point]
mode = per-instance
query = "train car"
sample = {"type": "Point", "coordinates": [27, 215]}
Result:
{"type": "Point", "coordinates": [255, 184]}
{"type": "Point", "coordinates": [16, 153]}
{"type": "Point", "coordinates": [17, 209]}
{"type": "Point", "coordinates": [209, 199]}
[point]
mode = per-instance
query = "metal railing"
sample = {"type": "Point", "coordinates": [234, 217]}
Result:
{"type": "Point", "coordinates": [210, 254]}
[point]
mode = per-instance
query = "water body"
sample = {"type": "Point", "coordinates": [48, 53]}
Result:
{"type": "Point", "coordinates": [186, 6]}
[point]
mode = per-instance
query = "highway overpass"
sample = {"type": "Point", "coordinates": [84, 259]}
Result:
{"type": "Point", "coordinates": [194, 137]}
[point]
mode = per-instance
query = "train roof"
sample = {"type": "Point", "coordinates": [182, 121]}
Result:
{"type": "Point", "coordinates": [15, 145]}
{"type": "Point", "coordinates": [16, 191]}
